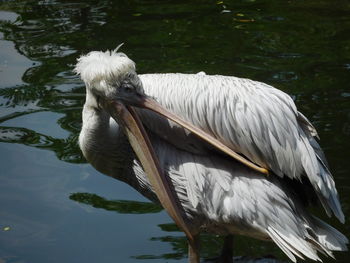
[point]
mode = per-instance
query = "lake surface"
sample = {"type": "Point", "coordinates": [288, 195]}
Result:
{"type": "Point", "coordinates": [54, 207]}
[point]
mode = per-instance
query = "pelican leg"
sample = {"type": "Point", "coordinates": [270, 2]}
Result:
{"type": "Point", "coordinates": [226, 255]}
{"type": "Point", "coordinates": [193, 250]}
{"type": "Point", "coordinates": [227, 250]}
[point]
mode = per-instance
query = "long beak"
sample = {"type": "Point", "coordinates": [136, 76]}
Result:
{"type": "Point", "coordinates": [151, 104]}
{"type": "Point", "coordinates": [142, 146]}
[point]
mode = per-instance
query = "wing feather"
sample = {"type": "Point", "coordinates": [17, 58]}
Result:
{"type": "Point", "coordinates": [252, 118]}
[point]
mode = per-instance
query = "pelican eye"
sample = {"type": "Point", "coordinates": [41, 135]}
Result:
{"type": "Point", "coordinates": [128, 88]}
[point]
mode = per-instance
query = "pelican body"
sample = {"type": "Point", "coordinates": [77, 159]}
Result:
{"type": "Point", "coordinates": [211, 191]}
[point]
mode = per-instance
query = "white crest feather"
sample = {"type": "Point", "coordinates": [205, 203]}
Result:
{"type": "Point", "coordinates": [98, 65]}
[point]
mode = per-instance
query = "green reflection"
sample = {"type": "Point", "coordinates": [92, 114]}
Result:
{"type": "Point", "coordinates": [120, 206]}
{"type": "Point", "coordinates": [65, 149]}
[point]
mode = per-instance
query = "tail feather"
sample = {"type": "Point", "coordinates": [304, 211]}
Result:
{"type": "Point", "coordinates": [317, 236]}
{"type": "Point", "coordinates": [293, 244]}
{"type": "Point", "coordinates": [329, 237]}
{"type": "Point", "coordinates": [320, 248]}
{"type": "Point", "coordinates": [284, 246]}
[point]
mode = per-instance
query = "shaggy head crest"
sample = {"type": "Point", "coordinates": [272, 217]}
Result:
{"type": "Point", "coordinates": [99, 66]}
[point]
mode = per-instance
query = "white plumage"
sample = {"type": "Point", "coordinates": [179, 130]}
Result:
{"type": "Point", "coordinates": [218, 194]}
{"type": "Point", "coordinates": [252, 118]}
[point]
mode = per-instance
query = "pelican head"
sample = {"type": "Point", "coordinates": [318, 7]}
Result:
{"type": "Point", "coordinates": [110, 75]}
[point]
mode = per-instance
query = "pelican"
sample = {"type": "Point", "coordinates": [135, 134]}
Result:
{"type": "Point", "coordinates": [222, 154]}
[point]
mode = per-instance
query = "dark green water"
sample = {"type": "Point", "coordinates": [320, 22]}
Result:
{"type": "Point", "coordinates": [53, 206]}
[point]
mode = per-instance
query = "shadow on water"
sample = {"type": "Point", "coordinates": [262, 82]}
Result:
{"type": "Point", "coordinates": [302, 48]}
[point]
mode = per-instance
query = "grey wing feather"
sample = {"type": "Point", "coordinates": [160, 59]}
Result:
{"type": "Point", "coordinates": [306, 125]}
{"type": "Point", "coordinates": [230, 198]}
{"type": "Point", "coordinates": [329, 197]}
{"type": "Point", "coordinates": [252, 118]}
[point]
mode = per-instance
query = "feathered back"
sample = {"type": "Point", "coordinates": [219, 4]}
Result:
{"type": "Point", "coordinates": [99, 66]}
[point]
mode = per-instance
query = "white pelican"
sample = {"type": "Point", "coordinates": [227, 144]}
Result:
{"type": "Point", "coordinates": [195, 180]}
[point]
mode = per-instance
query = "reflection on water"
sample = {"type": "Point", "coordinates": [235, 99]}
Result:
{"type": "Point", "coordinates": [120, 206]}
{"type": "Point", "coordinates": [52, 200]}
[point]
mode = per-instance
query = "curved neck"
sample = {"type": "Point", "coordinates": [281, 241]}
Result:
{"type": "Point", "coordinates": [101, 140]}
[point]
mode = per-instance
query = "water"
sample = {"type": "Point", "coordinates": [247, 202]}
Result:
{"type": "Point", "coordinates": [53, 206]}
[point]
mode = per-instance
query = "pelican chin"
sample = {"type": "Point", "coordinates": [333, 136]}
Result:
{"type": "Point", "coordinates": [201, 189]}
